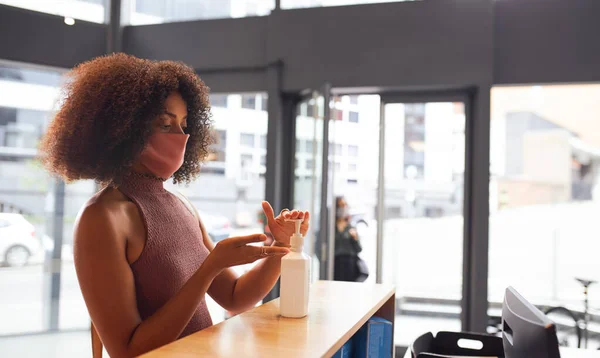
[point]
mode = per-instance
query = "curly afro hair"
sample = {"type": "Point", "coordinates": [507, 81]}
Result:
{"type": "Point", "coordinates": [106, 118]}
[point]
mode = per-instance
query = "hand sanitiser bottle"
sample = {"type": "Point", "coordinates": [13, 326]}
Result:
{"type": "Point", "coordinates": [295, 278]}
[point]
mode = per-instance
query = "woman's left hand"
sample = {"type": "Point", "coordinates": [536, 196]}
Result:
{"type": "Point", "coordinates": [282, 229]}
{"type": "Point", "coordinates": [353, 233]}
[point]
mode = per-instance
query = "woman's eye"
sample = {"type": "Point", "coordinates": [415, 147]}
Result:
{"type": "Point", "coordinates": [165, 126]}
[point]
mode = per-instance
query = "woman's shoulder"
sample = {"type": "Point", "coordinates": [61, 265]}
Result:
{"type": "Point", "coordinates": [108, 200]}
{"type": "Point", "coordinates": [103, 230]}
{"type": "Point", "coordinates": [107, 209]}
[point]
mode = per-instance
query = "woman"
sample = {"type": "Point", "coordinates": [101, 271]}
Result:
{"type": "Point", "coordinates": [143, 259]}
{"type": "Point", "coordinates": [347, 246]}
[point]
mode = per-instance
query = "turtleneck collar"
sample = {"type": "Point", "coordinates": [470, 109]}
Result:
{"type": "Point", "coordinates": [143, 182]}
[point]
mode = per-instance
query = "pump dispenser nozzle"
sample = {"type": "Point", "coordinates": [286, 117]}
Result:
{"type": "Point", "coordinates": [296, 240]}
{"type": "Point", "coordinates": [298, 222]}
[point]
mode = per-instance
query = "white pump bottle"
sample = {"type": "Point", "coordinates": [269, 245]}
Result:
{"type": "Point", "coordinates": [295, 278]}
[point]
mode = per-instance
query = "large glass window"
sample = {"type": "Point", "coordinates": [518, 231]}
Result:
{"type": "Point", "coordinates": [88, 10]}
{"type": "Point", "coordinates": [28, 201]}
{"type": "Point", "coordinates": [145, 12]}
{"type": "Point", "coordinates": [545, 196]}
{"type": "Point", "coordinates": [422, 214]}
{"type": "Point", "coordinates": [27, 206]}
{"type": "Point", "coordinates": [295, 4]}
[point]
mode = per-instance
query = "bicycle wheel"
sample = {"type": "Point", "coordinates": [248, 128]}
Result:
{"type": "Point", "coordinates": [567, 326]}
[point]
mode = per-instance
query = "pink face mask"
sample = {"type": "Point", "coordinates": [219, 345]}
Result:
{"type": "Point", "coordinates": [163, 153]}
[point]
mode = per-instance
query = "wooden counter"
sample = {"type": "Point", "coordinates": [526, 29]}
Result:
{"type": "Point", "coordinates": [336, 311]}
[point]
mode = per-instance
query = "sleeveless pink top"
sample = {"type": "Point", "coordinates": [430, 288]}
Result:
{"type": "Point", "coordinates": [173, 252]}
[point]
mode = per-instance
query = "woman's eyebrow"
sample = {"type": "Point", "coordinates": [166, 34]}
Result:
{"type": "Point", "coordinates": [172, 115]}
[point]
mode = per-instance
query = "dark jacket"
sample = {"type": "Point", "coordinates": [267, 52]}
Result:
{"type": "Point", "coordinates": [345, 244]}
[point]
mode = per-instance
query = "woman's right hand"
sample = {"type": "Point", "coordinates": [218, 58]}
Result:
{"type": "Point", "coordinates": [236, 251]}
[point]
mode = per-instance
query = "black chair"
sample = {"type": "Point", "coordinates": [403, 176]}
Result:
{"type": "Point", "coordinates": [526, 331]}
{"type": "Point", "coordinates": [446, 344]}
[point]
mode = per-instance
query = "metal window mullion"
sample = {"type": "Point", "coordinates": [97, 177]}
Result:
{"type": "Point", "coordinates": [380, 194]}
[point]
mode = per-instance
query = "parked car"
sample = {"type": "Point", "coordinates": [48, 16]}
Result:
{"type": "Point", "coordinates": [217, 226]}
{"type": "Point", "coordinates": [17, 240]}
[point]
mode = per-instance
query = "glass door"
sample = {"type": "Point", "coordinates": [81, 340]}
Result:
{"type": "Point", "coordinates": [420, 212]}
{"type": "Point", "coordinates": [399, 163]}
{"type": "Point", "coordinates": [308, 174]}
{"type": "Point", "coordinates": [354, 170]}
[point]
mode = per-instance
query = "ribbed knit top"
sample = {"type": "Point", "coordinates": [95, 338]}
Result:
{"type": "Point", "coordinates": [173, 252]}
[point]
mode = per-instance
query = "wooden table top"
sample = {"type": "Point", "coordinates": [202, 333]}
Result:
{"type": "Point", "coordinates": [336, 311]}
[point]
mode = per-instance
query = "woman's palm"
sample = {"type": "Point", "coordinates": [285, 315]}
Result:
{"type": "Point", "coordinates": [282, 229]}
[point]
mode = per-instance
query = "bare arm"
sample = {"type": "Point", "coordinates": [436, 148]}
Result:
{"type": "Point", "coordinates": [238, 294]}
{"type": "Point", "coordinates": [108, 288]}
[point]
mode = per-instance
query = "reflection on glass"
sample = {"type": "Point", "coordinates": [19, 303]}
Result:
{"type": "Point", "coordinates": [88, 10]}
{"type": "Point", "coordinates": [295, 4]}
{"type": "Point", "coordinates": [423, 223]}
{"type": "Point", "coordinates": [357, 146]}
{"type": "Point", "coordinates": [145, 12]}
{"type": "Point", "coordinates": [308, 172]}
{"type": "Point", "coordinates": [544, 194]}
{"type": "Point", "coordinates": [231, 185]}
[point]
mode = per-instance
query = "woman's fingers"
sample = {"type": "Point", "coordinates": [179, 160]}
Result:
{"type": "Point", "coordinates": [293, 215]}
{"type": "Point", "coordinates": [284, 215]}
{"type": "Point", "coordinates": [265, 251]}
{"type": "Point", "coordinates": [239, 250]}
{"type": "Point", "coordinates": [297, 215]}
{"type": "Point", "coordinates": [288, 215]}
{"type": "Point", "coordinates": [269, 213]}
{"type": "Point", "coordinates": [306, 217]}
{"type": "Point", "coordinates": [305, 223]}
{"type": "Point", "coordinates": [243, 240]}
{"type": "Point", "coordinates": [254, 253]}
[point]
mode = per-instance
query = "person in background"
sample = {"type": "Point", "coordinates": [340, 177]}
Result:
{"type": "Point", "coordinates": [143, 259]}
{"type": "Point", "coordinates": [347, 245]}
